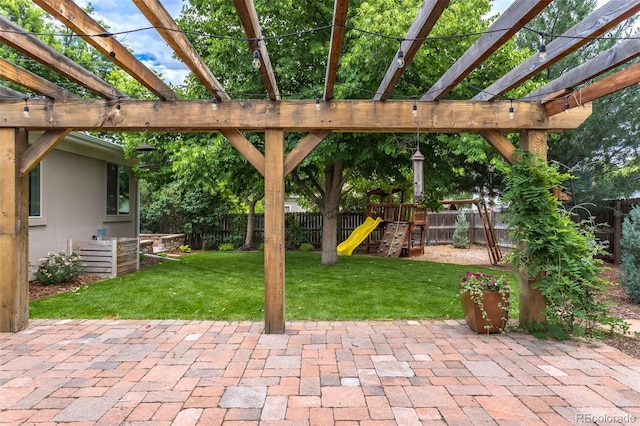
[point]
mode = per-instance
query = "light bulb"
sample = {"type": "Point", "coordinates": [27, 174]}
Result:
{"type": "Point", "coordinates": [118, 107]}
{"type": "Point", "coordinates": [318, 104]}
{"type": "Point", "coordinates": [400, 60]}
{"type": "Point", "coordinates": [25, 110]}
{"type": "Point", "coordinates": [414, 111]}
{"type": "Point", "coordinates": [542, 56]}
{"type": "Point", "coordinates": [511, 110]}
{"type": "Point", "coordinates": [256, 59]}
{"type": "Point", "coordinates": [567, 107]}
{"type": "Point", "coordinates": [214, 104]}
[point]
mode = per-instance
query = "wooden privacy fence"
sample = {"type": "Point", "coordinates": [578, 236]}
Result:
{"type": "Point", "coordinates": [307, 227]}
{"type": "Point", "coordinates": [109, 257]}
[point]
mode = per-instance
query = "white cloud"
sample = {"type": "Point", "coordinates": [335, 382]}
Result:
{"type": "Point", "coordinates": [123, 16]}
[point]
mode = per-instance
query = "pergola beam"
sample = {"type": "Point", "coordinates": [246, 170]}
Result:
{"type": "Point", "coordinates": [249, 19]}
{"type": "Point", "coordinates": [158, 16]}
{"type": "Point", "coordinates": [29, 45]}
{"type": "Point", "coordinates": [619, 54]}
{"type": "Point", "coordinates": [71, 15]}
{"type": "Point", "coordinates": [420, 28]}
{"type": "Point", "coordinates": [606, 17]}
{"type": "Point", "coordinates": [294, 116]}
{"type": "Point", "coordinates": [508, 24]}
{"type": "Point", "coordinates": [340, 9]}
{"type": "Point", "coordinates": [600, 88]}
{"type": "Point", "coordinates": [33, 82]}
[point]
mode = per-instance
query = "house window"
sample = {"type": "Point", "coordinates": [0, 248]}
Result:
{"type": "Point", "coordinates": [35, 192]}
{"type": "Point", "coordinates": [117, 190]}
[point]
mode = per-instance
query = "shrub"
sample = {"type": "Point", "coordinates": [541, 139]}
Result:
{"type": "Point", "coordinates": [58, 268]}
{"type": "Point", "coordinates": [554, 251]}
{"type": "Point", "coordinates": [225, 247]}
{"type": "Point", "coordinates": [630, 271]}
{"type": "Point", "coordinates": [306, 247]}
{"type": "Point", "coordinates": [461, 232]}
{"type": "Point", "coordinates": [184, 248]}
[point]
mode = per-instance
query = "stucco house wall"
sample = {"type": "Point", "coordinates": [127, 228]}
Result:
{"type": "Point", "coordinates": [73, 194]}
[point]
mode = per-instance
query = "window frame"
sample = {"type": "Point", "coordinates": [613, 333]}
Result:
{"type": "Point", "coordinates": [118, 216]}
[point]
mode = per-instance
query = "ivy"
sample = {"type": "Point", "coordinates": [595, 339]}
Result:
{"type": "Point", "coordinates": [555, 251]}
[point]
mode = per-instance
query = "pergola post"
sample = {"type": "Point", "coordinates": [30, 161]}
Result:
{"type": "Point", "coordinates": [532, 304]}
{"type": "Point", "coordinates": [14, 233]}
{"type": "Point", "coordinates": [274, 248]}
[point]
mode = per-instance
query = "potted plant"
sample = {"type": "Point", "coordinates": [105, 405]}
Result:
{"type": "Point", "coordinates": [485, 302]}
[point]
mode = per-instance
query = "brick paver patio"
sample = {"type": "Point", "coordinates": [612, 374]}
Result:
{"type": "Point", "coordinates": [86, 372]}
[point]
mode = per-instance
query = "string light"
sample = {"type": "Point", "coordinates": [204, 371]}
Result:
{"type": "Point", "coordinates": [542, 55]}
{"type": "Point", "coordinates": [566, 103]}
{"type": "Point", "coordinates": [414, 110]}
{"type": "Point", "coordinates": [214, 104]}
{"type": "Point", "coordinates": [256, 59]}
{"type": "Point", "coordinates": [511, 110]}
{"type": "Point", "coordinates": [318, 104]}
{"type": "Point", "coordinates": [25, 110]}
{"type": "Point", "coordinates": [400, 59]}
{"type": "Point", "coordinates": [118, 108]}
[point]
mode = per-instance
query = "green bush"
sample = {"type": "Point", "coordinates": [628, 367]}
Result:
{"type": "Point", "coordinates": [306, 247]}
{"type": "Point", "coordinates": [225, 247]}
{"type": "Point", "coordinates": [554, 251]}
{"type": "Point", "coordinates": [461, 232]}
{"type": "Point", "coordinates": [630, 261]}
{"type": "Point", "coordinates": [58, 268]}
{"type": "Point", "coordinates": [184, 248]}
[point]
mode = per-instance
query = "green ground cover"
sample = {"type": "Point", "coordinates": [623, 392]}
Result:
{"type": "Point", "coordinates": [230, 286]}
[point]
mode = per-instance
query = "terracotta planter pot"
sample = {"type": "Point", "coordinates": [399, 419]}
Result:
{"type": "Point", "coordinates": [497, 316]}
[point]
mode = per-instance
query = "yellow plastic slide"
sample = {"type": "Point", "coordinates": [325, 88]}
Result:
{"type": "Point", "coordinates": [358, 235]}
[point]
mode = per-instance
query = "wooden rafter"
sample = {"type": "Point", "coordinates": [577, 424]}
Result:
{"type": "Point", "coordinates": [70, 14]}
{"type": "Point", "coordinates": [606, 17]}
{"type": "Point", "coordinates": [29, 45]}
{"type": "Point", "coordinates": [33, 82]}
{"type": "Point", "coordinates": [340, 9]}
{"type": "Point", "coordinates": [600, 88]}
{"type": "Point", "coordinates": [5, 92]}
{"type": "Point", "coordinates": [619, 54]}
{"type": "Point", "coordinates": [421, 27]}
{"type": "Point", "coordinates": [169, 30]}
{"type": "Point", "coordinates": [249, 19]}
{"type": "Point", "coordinates": [508, 24]}
{"type": "Point", "coordinates": [298, 116]}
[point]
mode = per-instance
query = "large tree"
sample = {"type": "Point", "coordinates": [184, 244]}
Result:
{"type": "Point", "coordinates": [297, 36]}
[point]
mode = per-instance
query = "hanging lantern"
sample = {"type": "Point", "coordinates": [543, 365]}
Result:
{"type": "Point", "coordinates": [418, 175]}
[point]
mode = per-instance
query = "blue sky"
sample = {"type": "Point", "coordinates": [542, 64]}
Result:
{"type": "Point", "coordinates": [149, 47]}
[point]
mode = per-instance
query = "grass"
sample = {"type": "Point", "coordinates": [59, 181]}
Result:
{"type": "Point", "coordinates": [230, 286]}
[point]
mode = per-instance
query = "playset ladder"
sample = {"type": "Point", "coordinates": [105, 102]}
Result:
{"type": "Point", "coordinates": [393, 239]}
{"type": "Point", "coordinates": [489, 233]}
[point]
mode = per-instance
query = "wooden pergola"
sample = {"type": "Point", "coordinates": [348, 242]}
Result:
{"type": "Point", "coordinates": [60, 112]}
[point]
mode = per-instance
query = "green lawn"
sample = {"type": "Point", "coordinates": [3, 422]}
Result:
{"type": "Point", "coordinates": [230, 286]}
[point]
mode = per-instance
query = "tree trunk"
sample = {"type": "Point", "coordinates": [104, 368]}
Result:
{"type": "Point", "coordinates": [248, 238]}
{"type": "Point", "coordinates": [330, 208]}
